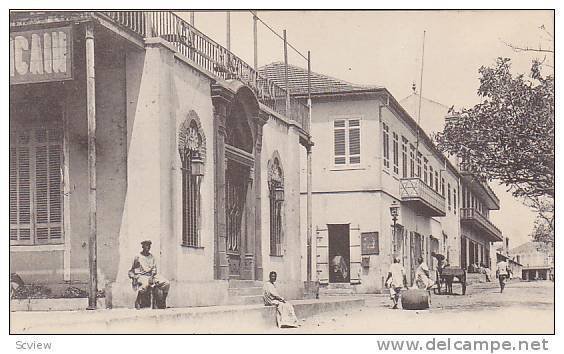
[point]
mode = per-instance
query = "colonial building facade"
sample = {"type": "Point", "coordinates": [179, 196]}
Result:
{"type": "Point", "coordinates": [537, 260]}
{"type": "Point", "coordinates": [370, 154]}
{"type": "Point", "coordinates": [473, 196]}
{"type": "Point", "coordinates": [193, 150]}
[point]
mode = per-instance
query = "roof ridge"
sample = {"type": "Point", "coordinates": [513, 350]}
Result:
{"type": "Point", "coordinates": [330, 83]}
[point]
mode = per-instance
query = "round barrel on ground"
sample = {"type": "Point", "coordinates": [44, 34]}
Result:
{"type": "Point", "coordinates": [415, 299]}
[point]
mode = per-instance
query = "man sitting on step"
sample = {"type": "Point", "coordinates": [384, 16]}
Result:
{"type": "Point", "coordinates": [144, 277]}
{"type": "Point", "coordinates": [285, 315]}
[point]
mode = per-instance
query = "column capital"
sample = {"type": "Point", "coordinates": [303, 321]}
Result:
{"type": "Point", "coordinates": [221, 96]}
{"type": "Point", "coordinates": [262, 118]}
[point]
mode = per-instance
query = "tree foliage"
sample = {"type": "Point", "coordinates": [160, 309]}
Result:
{"type": "Point", "coordinates": [543, 231]}
{"type": "Point", "coordinates": [509, 136]}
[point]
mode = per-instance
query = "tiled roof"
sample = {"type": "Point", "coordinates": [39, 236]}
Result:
{"type": "Point", "coordinates": [297, 80]}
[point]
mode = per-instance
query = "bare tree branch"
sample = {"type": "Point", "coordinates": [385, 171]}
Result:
{"type": "Point", "coordinates": [518, 49]}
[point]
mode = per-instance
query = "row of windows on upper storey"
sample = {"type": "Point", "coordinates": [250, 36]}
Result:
{"type": "Point", "coordinates": [347, 152]}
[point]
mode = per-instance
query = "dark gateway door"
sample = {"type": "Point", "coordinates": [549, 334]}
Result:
{"type": "Point", "coordinates": [339, 253]}
{"type": "Point", "coordinates": [237, 177]}
{"type": "Point", "coordinates": [416, 252]}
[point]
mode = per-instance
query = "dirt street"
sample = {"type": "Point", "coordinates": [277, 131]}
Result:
{"type": "Point", "coordinates": [524, 307]}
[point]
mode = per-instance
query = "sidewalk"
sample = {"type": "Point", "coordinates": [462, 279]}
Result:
{"type": "Point", "coordinates": [212, 319]}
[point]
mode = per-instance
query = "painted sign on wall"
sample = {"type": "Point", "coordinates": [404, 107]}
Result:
{"type": "Point", "coordinates": [369, 243]}
{"type": "Point", "coordinates": [41, 55]}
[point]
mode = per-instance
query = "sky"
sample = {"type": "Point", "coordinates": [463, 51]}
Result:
{"type": "Point", "coordinates": [385, 48]}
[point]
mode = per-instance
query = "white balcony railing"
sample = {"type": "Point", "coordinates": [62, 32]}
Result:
{"type": "Point", "coordinates": [416, 190]}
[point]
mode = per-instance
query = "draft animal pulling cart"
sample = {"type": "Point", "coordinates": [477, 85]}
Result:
{"type": "Point", "coordinates": [448, 276]}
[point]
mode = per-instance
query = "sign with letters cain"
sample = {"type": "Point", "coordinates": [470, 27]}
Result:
{"type": "Point", "coordinates": [41, 55]}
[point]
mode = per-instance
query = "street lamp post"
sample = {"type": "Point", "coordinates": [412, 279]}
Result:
{"type": "Point", "coordinates": [394, 211]}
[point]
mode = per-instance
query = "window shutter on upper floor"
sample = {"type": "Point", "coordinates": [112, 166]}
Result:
{"type": "Point", "coordinates": [339, 142]}
{"type": "Point", "coordinates": [354, 141]}
{"type": "Point", "coordinates": [346, 141]}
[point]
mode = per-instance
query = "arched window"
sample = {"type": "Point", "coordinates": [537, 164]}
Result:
{"type": "Point", "coordinates": [191, 146]}
{"type": "Point", "coordinates": [276, 197]}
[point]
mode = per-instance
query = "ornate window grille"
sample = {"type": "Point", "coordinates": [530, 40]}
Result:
{"type": "Point", "coordinates": [192, 155]}
{"type": "Point", "coordinates": [276, 198]}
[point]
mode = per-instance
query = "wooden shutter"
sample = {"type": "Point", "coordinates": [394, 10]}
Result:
{"type": "Point", "coordinates": [354, 141]}
{"type": "Point", "coordinates": [386, 146]}
{"type": "Point", "coordinates": [339, 142]}
{"type": "Point", "coordinates": [395, 151]}
{"type": "Point", "coordinates": [48, 196]}
{"type": "Point", "coordinates": [355, 254]}
{"type": "Point", "coordinates": [322, 251]}
{"type": "Point", "coordinates": [36, 199]}
{"type": "Point", "coordinates": [20, 188]}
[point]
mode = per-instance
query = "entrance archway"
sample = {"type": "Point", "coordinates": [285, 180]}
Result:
{"type": "Point", "coordinates": [238, 134]}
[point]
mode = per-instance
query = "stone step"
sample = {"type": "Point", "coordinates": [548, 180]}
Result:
{"type": "Point", "coordinates": [339, 286]}
{"type": "Point", "coordinates": [475, 278]}
{"type": "Point", "coordinates": [245, 291]}
{"type": "Point", "coordinates": [336, 291]}
{"type": "Point", "coordinates": [245, 300]}
{"type": "Point", "coordinates": [68, 304]}
{"type": "Point", "coordinates": [244, 283]}
{"type": "Point", "coordinates": [213, 319]}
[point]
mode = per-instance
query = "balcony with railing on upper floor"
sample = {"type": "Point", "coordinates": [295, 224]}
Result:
{"type": "Point", "coordinates": [422, 197]}
{"type": "Point", "coordinates": [481, 224]}
{"type": "Point", "coordinates": [480, 188]}
{"type": "Point", "coordinates": [212, 57]}
{"type": "Point", "coordinates": [194, 46]}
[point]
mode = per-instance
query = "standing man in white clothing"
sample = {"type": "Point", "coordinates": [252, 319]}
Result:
{"type": "Point", "coordinates": [502, 273]}
{"type": "Point", "coordinates": [396, 277]}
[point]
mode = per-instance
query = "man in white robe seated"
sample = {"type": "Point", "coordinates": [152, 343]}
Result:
{"type": "Point", "coordinates": [285, 316]}
{"type": "Point", "coordinates": [422, 275]}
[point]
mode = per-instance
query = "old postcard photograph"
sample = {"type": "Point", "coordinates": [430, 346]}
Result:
{"type": "Point", "coordinates": [282, 172]}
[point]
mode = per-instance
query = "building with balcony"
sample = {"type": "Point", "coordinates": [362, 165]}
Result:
{"type": "Point", "coordinates": [127, 126]}
{"type": "Point", "coordinates": [370, 153]}
{"type": "Point", "coordinates": [478, 233]}
{"type": "Point", "coordinates": [476, 198]}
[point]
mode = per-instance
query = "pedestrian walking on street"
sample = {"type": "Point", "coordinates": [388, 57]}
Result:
{"type": "Point", "coordinates": [502, 273]}
{"type": "Point", "coordinates": [396, 277]}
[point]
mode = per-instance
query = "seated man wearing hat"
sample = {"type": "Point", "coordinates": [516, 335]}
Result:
{"type": "Point", "coordinates": [144, 277]}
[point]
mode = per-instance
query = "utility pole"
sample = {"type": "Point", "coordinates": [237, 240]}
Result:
{"type": "Point", "coordinates": [420, 94]}
{"type": "Point", "coordinates": [91, 117]}
{"type": "Point", "coordinates": [255, 40]}
{"type": "Point", "coordinates": [309, 177]}
{"type": "Point", "coordinates": [286, 75]}
{"type": "Point", "coordinates": [228, 41]}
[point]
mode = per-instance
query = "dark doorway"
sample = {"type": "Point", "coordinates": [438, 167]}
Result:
{"type": "Point", "coordinates": [339, 253]}
{"type": "Point", "coordinates": [416, 252]}
{"type": "Point", "coordinates": [463, 243]}
{"type": "Point", "coordinates": [236, 181]}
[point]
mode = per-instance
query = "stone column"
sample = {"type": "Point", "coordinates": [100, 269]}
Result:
{"type": "Point", "coordinates": [221, 99]}
{"type": "Point", "coordinates": [248, 261]}
{"type": "Point", "coordinates": [261, 121]}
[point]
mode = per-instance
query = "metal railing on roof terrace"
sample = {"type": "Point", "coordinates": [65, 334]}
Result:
{"type": "Point", "coordinates": [209, 55]}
